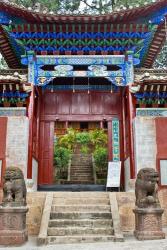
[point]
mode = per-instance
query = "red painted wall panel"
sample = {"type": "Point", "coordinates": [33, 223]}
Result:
{"type": "Point", "coordinates": [3, 136]}
{"type": "Point", "coordinates": [161, 137]}
{"type": "Point", "coordinates": [80, 103]}
{"type": "Point", "coordinates": [50, 107]}
{"type": "Point", "coordinates": [63, 103]}
{"type": "Point", "coordinates": [96, 98]}
{"type": "Point", "coordinates": [3, 131]}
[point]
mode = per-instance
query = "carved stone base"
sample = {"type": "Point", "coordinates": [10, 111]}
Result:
{"type": "Point", "coordinates": [148, 223]}
{"type": "Point", "coordinates": [13, 225]}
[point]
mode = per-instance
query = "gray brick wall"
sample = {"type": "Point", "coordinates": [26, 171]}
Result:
{"type": "Point", "coordinates": [145, 142]}
{"type": "Point", "coordinates": [17, 142]}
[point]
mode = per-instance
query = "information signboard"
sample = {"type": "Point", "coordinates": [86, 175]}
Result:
{"type": "Point", "coordinates": [114, 173]}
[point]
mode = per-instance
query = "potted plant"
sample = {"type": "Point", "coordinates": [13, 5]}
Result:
{"type": "Point", "coordinates": [165, 103]}
{"type": "Point", "coordinates": [20, 102]}
{"type": "Point", "coordinates": [155, 103]}
{"type": "Point", "coordinates": [142, 103]}
{"type": "Point", "coordinates": [6, 102]}
{"type": "Point", "coordinates": [92, 52]}
{"type": "Point", "coordinates": [104, 52]}
{"type": "Point", "coordinates": [149, 101]}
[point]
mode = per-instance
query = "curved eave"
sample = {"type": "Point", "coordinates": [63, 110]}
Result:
{"type": "Point", "coordinates": [156, 46]}
{"type": "Point", "coordinates": [128, 16]}
{"type": "Point", "coordinates": [7, 51]}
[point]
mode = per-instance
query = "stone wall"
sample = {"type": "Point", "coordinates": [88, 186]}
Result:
{"type": "Point", "coordinates": [17, 142]}
{"type": "Point", "coordinates": [145, 142]}
{"type": "Point", "coordinates": [35, 202]}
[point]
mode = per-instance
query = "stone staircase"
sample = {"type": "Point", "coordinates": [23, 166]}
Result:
{"type": "Point", "coordinates": [73, 217]}
{"type": "Point", "coordinates": [81, 171]}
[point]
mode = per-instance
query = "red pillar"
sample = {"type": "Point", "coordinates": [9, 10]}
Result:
{"type": "Point", "coordinates": [131, 114]}
{"type": "Point", "coordinates": [110, 140]}
{"type": "Point", "coordinates": [30, 144]}
{"type": "Point", "coordinates": [101, 124]}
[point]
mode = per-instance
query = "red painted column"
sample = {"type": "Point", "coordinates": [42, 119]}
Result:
{"type": "Point", "coordinates": [110, 140]}
{"type": "Point", "coordinates": [3, 139]}
{"type": "Point", "coordinates": [101, 124]}
{"type": "Point", "coordinates": [131, 114]}
{"type": "Point", "coordinates": [30, 144]}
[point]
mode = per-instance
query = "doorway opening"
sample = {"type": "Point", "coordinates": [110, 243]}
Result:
{"type": "Point", "coordinates": [80, 152]}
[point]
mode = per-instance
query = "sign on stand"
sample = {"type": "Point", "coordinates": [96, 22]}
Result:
{"type": "Point", "coordinates": [114, 174]}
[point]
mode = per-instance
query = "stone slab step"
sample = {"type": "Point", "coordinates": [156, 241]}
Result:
{"type": "Point", "coordinates": [79, 239]}
{"type": "Point", "coordinates": [81, 208]}
{"type": "Point", "coordinates": [61, 231]}
{"type": "Point", "coordinates": [81, 177]}
{"type": "Point", "coordinates": [82, 194]}
{"type": "Point", "coordinates": [78, 200]}
{"type": "Point", "coordinates": [80, 164]}
{"type": "Point", "coordinates": [83, 223]}
{"type": "Point", "coordinates": [81, 170]}
{"type": "Point", "coordinates": [82, 181]}
{"type": "Point", "coordinates": [77, 182]}
{"type": "Point", "coordinates": [84, 174]}
{"type": "Point", "coordinates": [82, 215]}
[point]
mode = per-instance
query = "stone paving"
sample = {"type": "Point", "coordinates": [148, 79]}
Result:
{"type": "Point", "coordinates": [130, 244]}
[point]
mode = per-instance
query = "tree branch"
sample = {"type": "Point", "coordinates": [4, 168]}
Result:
{"type": "Point", "coordinates": [90, 6]}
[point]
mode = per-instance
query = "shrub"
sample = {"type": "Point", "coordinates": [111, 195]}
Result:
{"type": "Point", "coordinates": [61, 157]}
{"type": "Point", "coordinates": [68, 140]}
{"type": "Point", "coordinates": [98, 138]}
{"type": "Point", "coordinates": [101, 158]}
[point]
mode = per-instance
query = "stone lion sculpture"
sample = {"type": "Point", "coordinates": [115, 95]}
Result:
{"type": "Point", "coordinates": [14, 188]}
{"type": "Point", "coordinates": [146, 188]}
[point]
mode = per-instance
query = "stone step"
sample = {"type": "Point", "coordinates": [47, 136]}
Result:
{"type": "Point", "coordinates": [89, 174]}
{"type": "Point", "coordinates": [81, 179]}
{"type": "Point", "coordinates": [81, 169]}
{"type": "Point", "coordinates": [51, 240]}
{"type": "Point", "coordinates": [78, 182]}
{"type": "Point", "coordinates": [80, 215]}
{"type": "Point", "coordinates": [88, 194]}
{"type": "Point", "coordinates": [80, 163]}
{"type": "Point", "coordinates": [61, 231]}
{"type": "Point", "coordinates": [81, 175]}
{"type": "Point", "coordinates": [78, 201]}
{"type": "Point", "coordinates": [82, 222]}
{"type": "Point", "coordinates": [81, 208]}
{"type": "Point", "coordinates": [81, 155]}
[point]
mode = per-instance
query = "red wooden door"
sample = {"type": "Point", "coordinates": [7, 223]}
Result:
{"type": "Point", "coordinates": [46, 153]}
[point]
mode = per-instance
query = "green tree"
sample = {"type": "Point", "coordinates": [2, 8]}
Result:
{"type": "Point", "coordinates": [80, 6]}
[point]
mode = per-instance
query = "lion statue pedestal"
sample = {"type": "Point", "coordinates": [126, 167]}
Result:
{"type": "Point", "coordinates": [13, 209]}
{"type": "Point", "coordinates": [148, 213]}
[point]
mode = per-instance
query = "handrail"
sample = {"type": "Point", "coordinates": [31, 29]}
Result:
{"type": "Point", "coordinates": [69, 170]}
{"type": "Point", "coordinates": [94, 170]}
{"type": "Point", "coordinates": [42, 237]}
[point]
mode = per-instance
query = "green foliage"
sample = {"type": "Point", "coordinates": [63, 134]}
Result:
{"type": "Point", "coordinates": [82, 6]}
{"type": "Point", "coordinates": [68, 140]}
{"type": "Point", "coordinates": [98, 138]}
{"type": "Point", "coordinates": [101, 158]}
{"type": "Point", "coordinates": [61, 157]}
{"type": "Point", "coordinates": [83, 137]}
